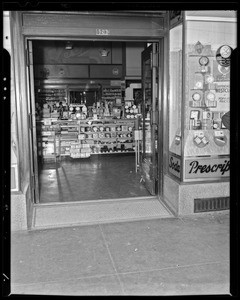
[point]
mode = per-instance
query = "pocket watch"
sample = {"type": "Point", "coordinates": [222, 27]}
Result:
{"type": "Point", "coordinates": [203, 60]}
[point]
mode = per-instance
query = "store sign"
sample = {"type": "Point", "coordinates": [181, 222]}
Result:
{"type": "Point", "coordinates": [223, 92]}
{"type": "Point", "coordinates": [207, 168]}
{"type": "Point", "coordinates": [100, 31]}
{"type": "Point", "coordinates": [174, 165]}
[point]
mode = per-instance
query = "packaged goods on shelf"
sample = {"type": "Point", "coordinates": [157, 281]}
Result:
{"type": "Point", "coordinates": [97, 136]}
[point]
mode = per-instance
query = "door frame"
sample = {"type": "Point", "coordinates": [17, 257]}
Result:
{"type": "Point", "coordinates": [24, 34]}
{"type": "Point", "coordinates": [151, 53]}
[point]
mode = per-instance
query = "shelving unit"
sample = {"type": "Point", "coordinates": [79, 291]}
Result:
{"type": "Point", "coordinates": [82, 138]}
{"type": "Point", "coordinates": [108, 136]}
{"type": "Point", "coordinates": [48, 140]}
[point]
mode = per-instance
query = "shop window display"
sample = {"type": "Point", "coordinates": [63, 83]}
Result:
{"type": "Point", "coordinates": [205, 141]}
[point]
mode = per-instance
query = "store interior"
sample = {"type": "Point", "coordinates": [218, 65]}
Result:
{"type": "Point", "coordinates": [88, 101]}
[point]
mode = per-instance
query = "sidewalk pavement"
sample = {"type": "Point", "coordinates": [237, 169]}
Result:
{"type": "Point", "coordinates": [169, 256]}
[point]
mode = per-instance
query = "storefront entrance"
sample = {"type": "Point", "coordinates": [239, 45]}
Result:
{"type": "Point", "coordinates": [33, 76]}
{"type": "Point", "coordinates": [103, 142]}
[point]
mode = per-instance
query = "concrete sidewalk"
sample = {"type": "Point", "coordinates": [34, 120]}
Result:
{"type": "Point", "coordinates": [169, 256]}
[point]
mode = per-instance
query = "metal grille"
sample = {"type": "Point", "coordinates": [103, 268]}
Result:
{"type": "Point", "coordinates": [211, 204]}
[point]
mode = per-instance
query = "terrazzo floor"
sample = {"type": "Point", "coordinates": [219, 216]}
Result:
{"type": "Point", "coordinates": [97, 177]}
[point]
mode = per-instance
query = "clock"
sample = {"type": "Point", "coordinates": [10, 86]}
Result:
{"type": "Point", "coordinates": [196, 97]}
{"type": "Point", "coordinates": [203, 60]}
{"type": "Point", "coordinates": [225, 51]}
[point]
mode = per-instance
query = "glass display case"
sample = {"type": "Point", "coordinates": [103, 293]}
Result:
{"type": "Point", "coordinates": [199, 143]}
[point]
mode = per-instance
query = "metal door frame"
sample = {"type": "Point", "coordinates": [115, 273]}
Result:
{"type": "Point", "coordinates": [32, 122]}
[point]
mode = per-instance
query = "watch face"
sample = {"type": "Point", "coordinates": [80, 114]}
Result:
{"type": "Point", "coordinates": [210, 96]}
{"type": "Point", "coordinates": [196, 96]}
{"type": "Point", "coordinates": [225, 51]}
{"type": "Point", "coordinates": [203, 61]}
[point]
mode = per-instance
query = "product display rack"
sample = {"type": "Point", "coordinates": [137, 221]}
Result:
{"type": "Point", "coordinates": [108, 136]}
{"type": "Point", "coordinates": [82, 138]}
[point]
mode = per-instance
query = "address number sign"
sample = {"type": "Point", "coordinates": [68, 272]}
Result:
{"type": "Point", "coordinates": [100, 31]}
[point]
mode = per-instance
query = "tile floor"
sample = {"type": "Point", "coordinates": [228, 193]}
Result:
{"type": "Point", "coordinates": [171, 256]}
{"type": "Point", "coordinates": [97, 177]}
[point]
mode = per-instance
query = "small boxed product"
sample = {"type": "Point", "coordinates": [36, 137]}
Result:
{"type": "Point", "coordinates": [81, 136]}
{"type": "Point", "coordinates": [197, 140]}
{"type": "Point", "coordinates": [47, 122]}
{"type": "Point", "coordinates": [90, 142]}
{"type": "Point", "coordinates": [85, 146]}
{"type": "Point", "coordinates": [204, 140]}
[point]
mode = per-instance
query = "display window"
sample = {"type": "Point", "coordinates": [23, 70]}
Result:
{"type": "Point", "coordinates": [199, 146]}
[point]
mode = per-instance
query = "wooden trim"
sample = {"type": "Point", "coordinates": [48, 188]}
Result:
{"type": "Point", "coordinates": [75, 25]}
{"type": "Point", "coordinates": [90, 21]}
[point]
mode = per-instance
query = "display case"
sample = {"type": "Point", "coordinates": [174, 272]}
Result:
{"type": "Point", "coordinates": [199, 96]}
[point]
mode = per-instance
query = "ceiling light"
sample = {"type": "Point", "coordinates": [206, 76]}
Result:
{"type": "Point", "coordinates": [69, 46]}
{"type": "Point", "coordinates": [104, 52]}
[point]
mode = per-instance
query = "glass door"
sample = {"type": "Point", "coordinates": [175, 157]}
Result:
{"type": "Point", "coordinates": [32, 125]}
{"type": "Point", "coordinates": [149, 149]}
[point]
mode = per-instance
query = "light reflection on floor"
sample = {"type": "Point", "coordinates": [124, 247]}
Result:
{"type": "Point", "coordinates": [97, 177]}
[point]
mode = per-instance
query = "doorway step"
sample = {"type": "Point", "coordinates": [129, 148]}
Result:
{"type": "Point", "coordinates": [52, 215]}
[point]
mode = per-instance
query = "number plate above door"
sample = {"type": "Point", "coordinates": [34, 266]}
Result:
{"type": "Point", "coordinates": [100, 31]}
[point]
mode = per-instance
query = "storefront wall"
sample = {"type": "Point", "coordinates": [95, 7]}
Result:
{"type": "Point", "coordinates": [18, 205]}
{"type": "Point", "coordinates": [175, 193]}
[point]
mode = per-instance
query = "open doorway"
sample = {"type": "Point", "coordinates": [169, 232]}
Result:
{"type": "Point", "coordinates": [96, 125]}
